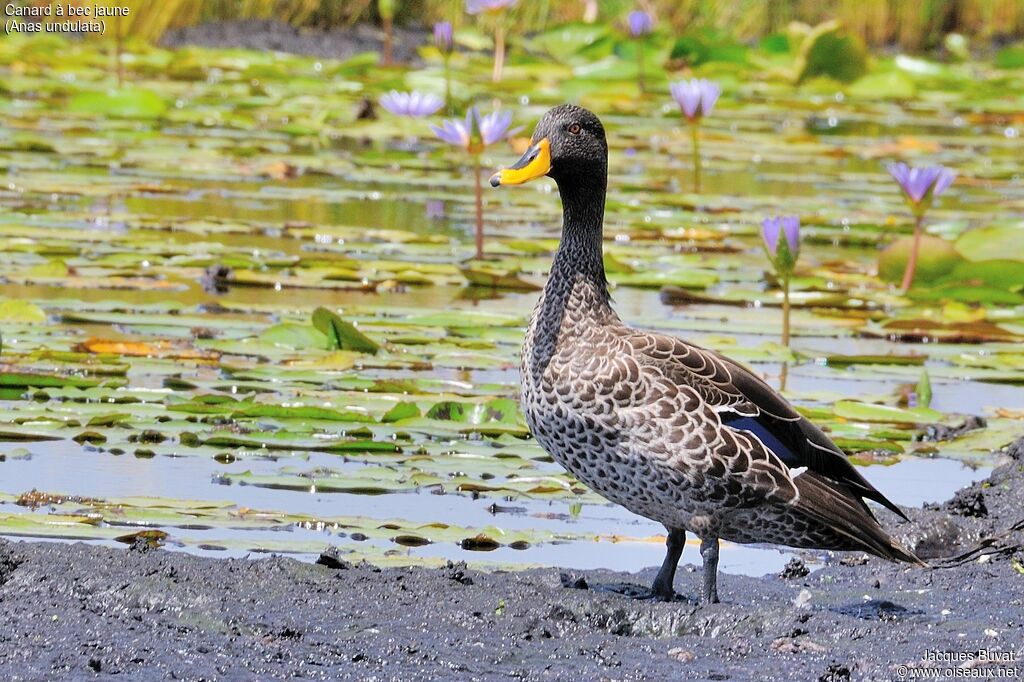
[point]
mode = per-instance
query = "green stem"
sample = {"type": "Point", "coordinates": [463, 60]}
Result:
{"type": "Point", "coordinates": [388, 39]}
{"type": "Point", "coordinates": [448, 85]}
{"type": "Point", "coordinates": [785, 311]}
{"type": "Point", "coordinates": [499, 52]}
{"type": "Point", "coordinates": [640, 65]}
{"type": "Point", "coordinates": [695, 137]}
{"type": "Point", "coordinates": [119, 51]}
{"type": "Point", "coordinates": [908, 274]}
{"type": "Point", "coordinates": [479, 208]}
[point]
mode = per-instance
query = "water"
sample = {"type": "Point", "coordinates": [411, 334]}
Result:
{"type": "Point", "coordinates": [67, 466]}
{"type": "Point", "coordinates": [184, 197]}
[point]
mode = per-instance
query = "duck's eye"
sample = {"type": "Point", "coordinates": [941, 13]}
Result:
{"type": "Point", "coordinates": [575, 129]}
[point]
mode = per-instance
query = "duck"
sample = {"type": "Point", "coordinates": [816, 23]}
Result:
{"type": "Point", "coordinates": [672, 431]}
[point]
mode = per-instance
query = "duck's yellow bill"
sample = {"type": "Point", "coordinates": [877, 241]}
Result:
{"type": "Point", "coordinates": [536, 162]}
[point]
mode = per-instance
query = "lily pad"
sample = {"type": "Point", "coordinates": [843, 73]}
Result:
{"type": "Point", "coordinates": [935, 259]}
{"type": "Point", "coordinates": [341, 334]}
{"type": "Point", "coordinates": [123, 103]}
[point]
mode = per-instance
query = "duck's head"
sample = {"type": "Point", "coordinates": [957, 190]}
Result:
{"type": "Point", "coordinates": [568, 146]}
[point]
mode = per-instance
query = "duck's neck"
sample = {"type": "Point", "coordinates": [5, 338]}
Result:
{"type": "Point", "coordinates": [577, 274]}
{"type": "Point", "coordinates": [580, 250]}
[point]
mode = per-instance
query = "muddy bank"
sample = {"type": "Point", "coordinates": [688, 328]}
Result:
{"type": "Point", "coordinates": [72, 611]}
{"type": "Point", "coordinates": [280, 37]}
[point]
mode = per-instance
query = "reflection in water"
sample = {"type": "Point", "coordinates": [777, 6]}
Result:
{"type": "Point", "coordinates": [67, 467]}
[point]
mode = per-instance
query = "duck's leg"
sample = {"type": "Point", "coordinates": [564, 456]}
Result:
{"type": "Point", "coordinates": [662, 587]}
{"type": "Point", "coordinates": [709, 552]}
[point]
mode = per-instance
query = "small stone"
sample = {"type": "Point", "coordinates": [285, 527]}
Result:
{"type": "Point", "coordinates": [802, 599]}
{"type": "Point", "coordinates": [365, 111]}
{"type": "Point", "coordinates": [1015, 450]}
{"type": "Point", "coordinates": [681, 655]}
{"type": "Point", "coordinates": [214, 279]}
{"type": "Point", "coordinates": [572, 582]}
{"type": "Point", "coordinates": [457, 572]}
{"type": "Point", "coordinates": [836, 672]}
{"type": "Point", "coordinates": [332, 559]}
{"type": "Point", "coordinates": [795, 569]}
{"type": "Point", "coordinates": [969, 503]}
{"type": "Point", "coordinates": [796, 646]}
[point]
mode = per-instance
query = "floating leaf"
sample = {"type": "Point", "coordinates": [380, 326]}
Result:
{"type": "Point", "coordinates": [144, 349]}
{"type": "Point", "coordinates": [481, 277]}
{"type": "Point", "coordinates": [924, 389]}
{"type": "Point", "coordinates": [341, 334]}
{"type": "Point", "coordinates": [995, 242]}
{"type": "Point", "coordinates": [22, 312]}
{"type": "Point", "coordinates": [1011, 57]}
{"type": "Point", "coordinates": [936, 258]}
{"type": "Point", "coordinates": [403, 410]}
{"type": "Point", "coordinates": [123, 103]}
{"type": "Point", "coordinates": [829, 51]}
{"type": "Point", "coordinates": [858, 411]}
{"type": "Point", "coordinates": [500, 410]}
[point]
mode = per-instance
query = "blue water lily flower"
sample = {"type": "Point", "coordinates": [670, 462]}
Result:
{"type": "Point", "coordinates": [787, 225]}
{"type": "Point", "coordinates": [473, 134]}
{"type": "Point", "coordinates": [412, 104]}
{"type": "Point", "coordinates": [696, 97]}
{"type": "Point", "coordinates": [640, 23]}
{"type": "Point", "coordinates": [481, 6]}
{"type": "Point", "coordinates": [921, 183]}
{"type": "Point", "coordinates": [783, 253]}
{"type": "Point", "coordinates": [920, 186]}
{"type": "Point", "coordinates": [443, 37]}
{"type": "Point", "coordinates": [476, 131]}
{"type": "Point", "coordinates": [782, 243]}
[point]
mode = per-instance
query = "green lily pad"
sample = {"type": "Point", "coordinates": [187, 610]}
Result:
{"type": "Point", "coordinates": [830, 51]}
{"type": "Point", "coordinates": [341, 334]}
{"type": "Point", "coordinates": [858, 411]}
{"type": "Point", "coordinates": [994, 242]}
{"type": "Point", "coordinates": [124, 103]}
{"type": "Point", "coordinates": [13, 310]}
{"type": "Point", "coordinates": [935, 259]}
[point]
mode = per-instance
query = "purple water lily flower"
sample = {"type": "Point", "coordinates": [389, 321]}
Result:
{"type": "Point", "coordinates": [786, 225]}
{"type": "Point", "coordinates": [696, 97]}
{"type": "Point", "coordinates": [480, 6]}
{"type": "Point", "coordinates": [443, 37]}
{"type": "Point", "coordinates": [435, 209]}
{"type": "Point", "coordinates": [473, 134]}
{"type": "Point", "coordinates": [495, 126]}
{"type": "Point", "coordinates": [783, 255]}
{"type": "Point", "coordinates": [920, 186]}
{"type": "Point", "coordinates": [640, 23]}
{"type": "Point", "coordinates": [476, 129]}
{"type": "Point", "coordinates": [413, 104]}
{"type": "Point", "coordinates": [921, 183]}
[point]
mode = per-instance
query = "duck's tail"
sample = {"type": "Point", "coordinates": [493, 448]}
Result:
{"type": "Point", "coordinates": [842, 511]}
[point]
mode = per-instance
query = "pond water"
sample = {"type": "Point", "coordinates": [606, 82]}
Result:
{"type": "Point", "coordinates": [136, 398]}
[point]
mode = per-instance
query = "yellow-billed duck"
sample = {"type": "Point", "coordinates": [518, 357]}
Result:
{"type": "Point", "coordinates": [671, 431]}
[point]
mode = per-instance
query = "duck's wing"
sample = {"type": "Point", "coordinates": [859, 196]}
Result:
{"type": "Point", "coordinates": [745, 402]}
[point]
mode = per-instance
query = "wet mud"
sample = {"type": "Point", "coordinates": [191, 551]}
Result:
{"type": "Point", "coordinates": [76, 611]}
